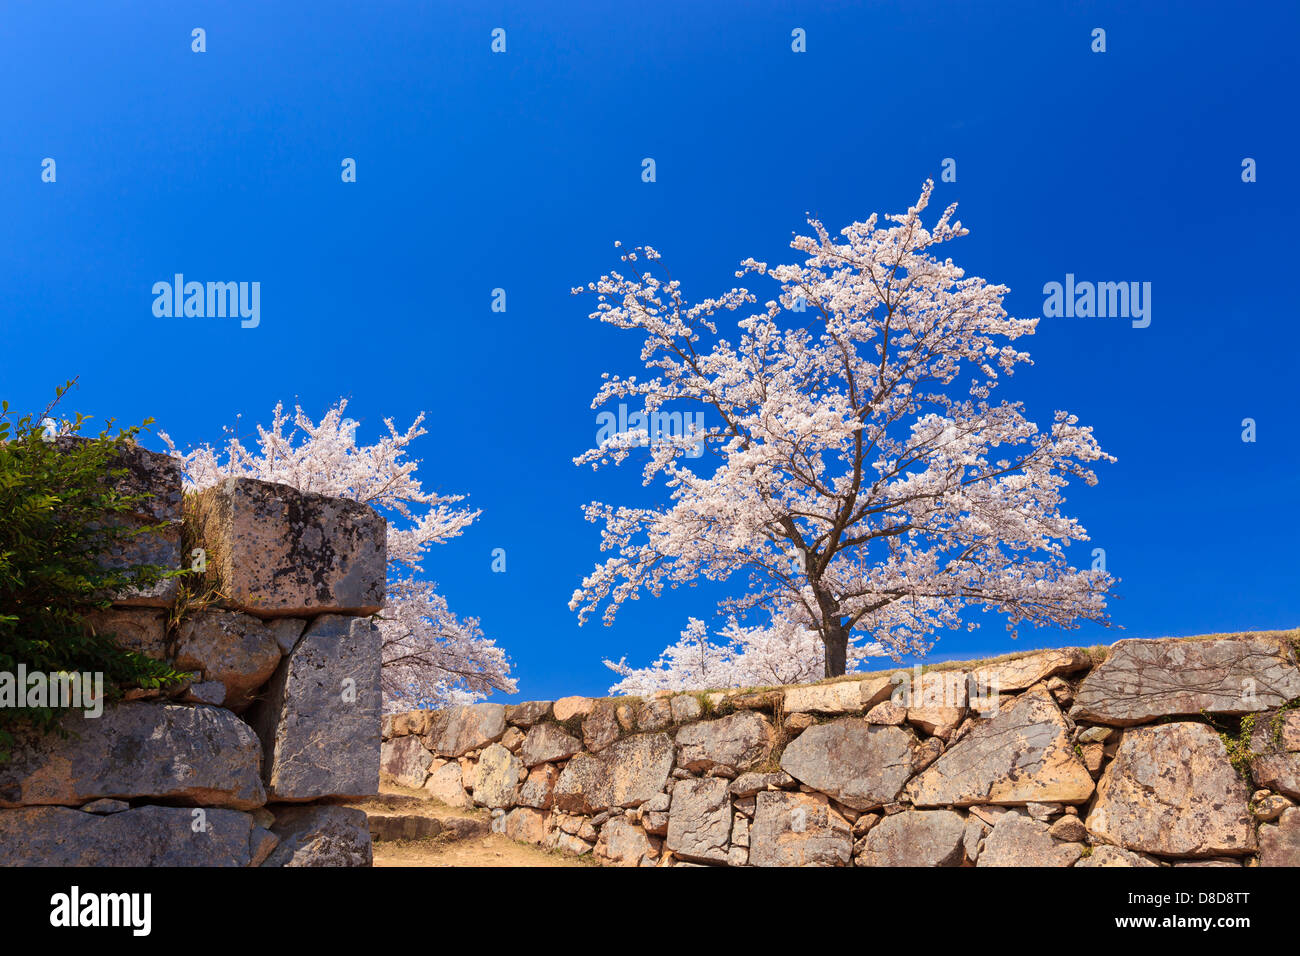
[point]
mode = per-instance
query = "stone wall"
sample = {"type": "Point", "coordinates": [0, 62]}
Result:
{"type": "Point", "coordinates": [1179, 752]}
{"type": "Point", "coordinates": [236, 766]}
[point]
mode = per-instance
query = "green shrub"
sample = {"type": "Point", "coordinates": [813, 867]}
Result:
{"type": "Point", "coordinates": [60, 510]}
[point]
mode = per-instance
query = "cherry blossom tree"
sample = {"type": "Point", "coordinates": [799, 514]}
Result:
{"type": "Point", "coordinates": [858, 475]}
{"type": "Point", "coordinates": [780, 652]}
{"type": "Point", "coordinates": [431, 657]}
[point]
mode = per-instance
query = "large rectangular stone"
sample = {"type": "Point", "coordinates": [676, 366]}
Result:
{"type": "Point", "coordinates": [200, 756]}
{"type": "Point", "coordinates": [275, 551]}
{"type": "Point", "coordinates": [319, 720]}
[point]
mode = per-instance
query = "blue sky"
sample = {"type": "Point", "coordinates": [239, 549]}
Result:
{"type": "Point", "coordinates": [478, 171]}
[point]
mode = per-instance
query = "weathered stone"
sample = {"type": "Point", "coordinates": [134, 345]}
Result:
{"type": "Point", "coordinates": [204, 756]}
{"type": "Point", "coordinates": [1172, 791]}
{"type": "Point", "coordinates": [105, 806]}
{"type": "Point", "coordinates": [527, 714]}
{"type": "Point", "coordinates": [145, 836]}
{"type": "Point", "coordinates": [972, 838]}
{"type": "Point", "coordinates": [699, 821]}
{"type": "Point", "coordinates": [1021, 673]}
{"type": "Point", "coordinates": [447, 785]}
{"type": "Point", "coordinates": [1276, 745]}
{"type": "Point", "coordinates": [236, 649]}
{"type": "Point", "coordinates": [156, 477]}
{"type": "Point", "coordinates": [926, 753]}
{"type": "Point", "coordinates": [1043, 812]}
{"type": "Point", "coordinates": [838, 697]}
{"type": "Point", "coordinates": [1019, 841]}
{"type": "Point", "coordinates": [497, 783]}
{"type": "Point", "coordinates": [547, 742]}
{"type": "Point", "coordinates": [513, 739]}
{"type": "Point", "coordinates": [887, 714]}
{"type": "Point", "coordinates": [859, 765]}
{"type": "Point", "coordinates": [768, 700]}
{"type": "Point", "coordinates": [287, 631]}
{"type": "Point", "coordinates": [572, 844]}
{"type": "Point", "coordinates": [411, 722]}
{"type": "Point", "coordinates": [797, 722]}
{"type": "Point", "coordinates": [1095, 735]}
{"type": "Point", "coordinates": [139, 629]}
{"type": "Point", "coordinates": [919, 838]}
{"type": "Point", "coordinates": [278, 552]}
{"type": "Point", "coordinates": [1209, 862]}
{"type": "Point", "coordinates": [1069, 829]}
{"type": "Point", "coordinates": [1020, 755]}
{"type": "Point", "coordinates": [205, 692]}
{"type": "Point", "coordinates": [538, 789]}
{"type": "Point", "coordinates": [1141, 681]}
{"type": "Point", "coordinates": [406, 761]}
{"type": "Point", "coordinates": [685, 708]}
{"type": "Point", "coordinates": [798, 829]}
{"type": "Point", "coordinates": [748, 784]}
{"type": "Point", "coordinates": [1061, 691]}
{"type": "Point", "coordinates": [601, 728]}
{"type": "Point", "coordinates": [1267, 809]}
{"type": "Point", "coordinates": [319, 717]}
{"type": "Point", "coordinates": [470, 728]}
{"type": "Point", "coordinates": [741, 741]}
{"type": "Point", "coordinates": [1279, 845]}
{"type": "Point", "coordinates": [568, 707]}
{"type": "Point", "coordinates": [624, 774]}
{"type": "Point", "coordinates": [654, 714]}
{"type": "Point", "coordinates": [937, 702]}
{"type": "Point", "coordinates": [321, 835]}
{"type": "Point", "coordinates": [261, 842]}
{"type": "Point", "coordinates": [1094, 756]}
{"type": "Point", "coordinates": [527, 826]}
{"type": "Point", "coordinates": [1115, 856]}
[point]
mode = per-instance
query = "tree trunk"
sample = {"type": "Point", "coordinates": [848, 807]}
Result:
{"type": "Point", "coordinates": [836, 639]}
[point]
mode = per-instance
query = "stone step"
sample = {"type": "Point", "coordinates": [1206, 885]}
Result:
{"type": "Point", "coordinates": [423, 826]}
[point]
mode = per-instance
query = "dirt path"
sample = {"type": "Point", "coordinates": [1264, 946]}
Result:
{"type": "Point", "coordinates": [493, 850]}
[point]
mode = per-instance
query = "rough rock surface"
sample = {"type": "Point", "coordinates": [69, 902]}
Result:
{"type": "Point", "coordinates": [1020, 755]}
{"type": "Point", "coordinates": [1276, 744]}
{"type": "Point", "coordinates": [320, 718]}
{"type": "Point", "coordinates": [447, 784]}
{"type": "Point", "coordinates": [237, 650]}
{"type": "Point", "coordinates": [919, 838]}
{"type": "Point", "coordinates": [1017, 840]}
{"type": "Point", "coordinates": [528, 713]}
{"type": "Point", "coordinates": [277, 551]}
{"type": "Point", "coordinates": [624, 774]}
{"type": "Point", "coordinates": [321, 836]}
{"type": "Point", "coordinates": [1171, 791]}
{"type": "Point", "coordinates": [1141, 681]}
{"type": "Point", "coordinates": [497, 782]}
{"type": "Point", "coordinates": [1278, 845]}
{"type": "Point", "coordinates": [740, 741]}
{"type": "Point", "coordinates": [140, 629]}
{"type": "Point", "coordinates": [1114, 856]}
{"type": "Point", "coordinates": [837, 697]}
{"type": "Point", "coordinates": [1021, 673]}
{"type": "Point", "coordinates": [470, 728]}
{"type": "Point", "coordinates": [699, 820]}
{"type": "Point", "coordinates": [547, 742]}
{"type": "Point", "coordinates": [937, 702]}
{"type": "Point", "coordinates": [860, 765]}
{"type": "Point", "coordinates": [798, 829]}
{"type": "Point", "coordinates": [406, 761]}
{"type": "Point", "coordinates": [623, 842]}
{"type": "Point", "coordinates": [205, 756]}
{"type": "Point", "coordinates": [145, 836]}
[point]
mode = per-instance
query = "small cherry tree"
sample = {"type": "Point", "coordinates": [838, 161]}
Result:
{"type": "Point", "coordinates": [850, 484]}
{"type": "Point", "coordinates": [431, 657]}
